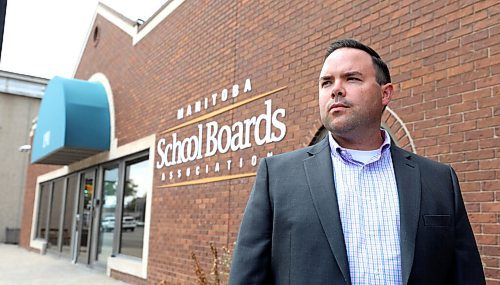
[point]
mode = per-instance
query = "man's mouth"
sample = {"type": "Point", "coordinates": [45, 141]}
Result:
{"type": "Point", "coordinates": [337, 107]}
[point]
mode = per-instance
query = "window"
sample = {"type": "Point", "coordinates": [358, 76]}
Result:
{"type": "Point", "coordinates": [98, 212]}
{"type": "Point", "coordinates": [71, 191]}
{"type": "Point", "coordinates": [55, 213]}
{"type": "Point", "coordinates": [108, 212]}
{"type": "Point", "coordinates": [134, 207]}
{"type": "Point", "coordinates": [43, 208]}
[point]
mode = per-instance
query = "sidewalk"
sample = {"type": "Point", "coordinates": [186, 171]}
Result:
{"type": "Point", "coordinates": [19, 266]}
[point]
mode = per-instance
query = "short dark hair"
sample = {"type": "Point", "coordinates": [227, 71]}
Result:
{"type": "Point", "coordinates": [381, 70]}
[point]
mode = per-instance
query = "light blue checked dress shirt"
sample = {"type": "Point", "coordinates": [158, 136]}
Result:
{"type": "Point", "coordinates": [369, 212]}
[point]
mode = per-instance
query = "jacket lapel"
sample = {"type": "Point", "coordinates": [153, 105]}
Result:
{"type": "Point", "coordinates": [318, 168]}
{"type": "Point", "coordinates": [408, 182]}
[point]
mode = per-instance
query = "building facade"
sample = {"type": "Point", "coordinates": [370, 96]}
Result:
{"type": "Point", "coordinates": [20, 97]}
{"type": "Point", "coordinates": [171, 117]}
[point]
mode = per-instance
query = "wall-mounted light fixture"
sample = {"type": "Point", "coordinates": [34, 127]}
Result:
{"type": "Point", "coordinates": [25, 148]}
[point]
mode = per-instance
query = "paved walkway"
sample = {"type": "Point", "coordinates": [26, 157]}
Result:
{"type": "Point", "coordinates": [19, 266]}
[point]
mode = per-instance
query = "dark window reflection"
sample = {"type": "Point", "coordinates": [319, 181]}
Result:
{"type": "Point", "coordinates": [41, 230]}
{"type": "Point", "coordinates": [68, 213]}
{"type": "Point", "coordinates": [137, 181]}
{"type": "Point", "coordinates": [55, 214]}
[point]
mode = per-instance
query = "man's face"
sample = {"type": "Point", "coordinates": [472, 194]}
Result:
{"type": "Point", "coordinates": [350, 99]}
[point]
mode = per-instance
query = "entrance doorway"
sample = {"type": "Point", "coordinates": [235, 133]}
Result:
{"type": "Point", "coordinates": [84, 217]}
{"type": "Point", "coordinates": [95, 216]}
{"type": "Point", "coordinates": [106, 221]}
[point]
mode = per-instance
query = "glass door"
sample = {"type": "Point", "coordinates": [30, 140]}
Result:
{"type": "Point", "coordinates": [105, 210]}
{"type": "Point", "coordinates": [84, 217]}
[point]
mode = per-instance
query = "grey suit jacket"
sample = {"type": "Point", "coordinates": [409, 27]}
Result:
{"type": "Point", "coordinates": [291, 231]}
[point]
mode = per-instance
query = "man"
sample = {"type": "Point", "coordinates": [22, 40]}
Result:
{"type": "Point", "coordinates": [354, 208]}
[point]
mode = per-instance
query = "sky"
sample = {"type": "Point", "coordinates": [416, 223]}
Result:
{"type": "Point", "coordinates": [45, 38]}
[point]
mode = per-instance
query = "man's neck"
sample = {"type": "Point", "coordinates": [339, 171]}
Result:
{"type": "Point", "coordinates": [365, 141]}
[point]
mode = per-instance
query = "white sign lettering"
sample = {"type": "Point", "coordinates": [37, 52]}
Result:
{"type": "Point", "coordinates": [46, 139]}
{"type": "Point", "coordinates": [211, 101]}
{"type": "Point", "coordinates": [262, 129]}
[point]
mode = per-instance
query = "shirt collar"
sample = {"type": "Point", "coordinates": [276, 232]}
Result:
{"type": "Point", "coordinates": [338, 151]}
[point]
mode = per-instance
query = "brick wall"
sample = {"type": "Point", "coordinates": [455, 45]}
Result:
{"type": "Point", "coordinates": [443, 56]}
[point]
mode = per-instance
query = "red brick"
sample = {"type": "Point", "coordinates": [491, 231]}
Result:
{"type": "Point", "coordinates": [479, 114]}
{"type": "Point", "coordinates": [479, 134]}
{"type": "Point", "coordinates": [437, 149]}
{"type": "Point", "coordinates": [491, 186]}
{"type": "Point", "coordinates": [462, 88]}
{"type": "Point", "coordinates": [490, 207]}
{"type": "Point", "coordinates": [480, 154]}
{"type": "Point", "coordinates": [451, 100]}
{"type": "Point", "coordinates": [439, 112]}
{"type": "Point", "coordinates": [491, 229]}
{"type": "Point", "coordinates": [465, 166]}
{"type": "Point", "coordinates": [473, 208]}
{"type": "Point", "coordinates": [492, 272]}
{"type": "Point", "coordinates": [489, 164]}
{"type": "Point", "coordinates": [464, 146]}
{"type": "Point", "coordinates": [488, 122]}
{"type": "Point", "coordinates": [488, 81]}
{"type": "Point", "coordinates": [486, 62]}
{"type": "Point", "coordinates": [482, 217]}
{"type": "Point", "coordinates": [411, 83]}
{"type": "Point", "coordinates": [436, 131]}
{"type": "Point", "coordinates": [490, 143]}
{"type": "Point", "coordinates": [486, 239]}
{"type": "Point", "coordinates": [460, 69]}
{"type": "Point", "coordinates": [461, 127]}
{"type": "Point", "coordinates": [487, 102]}
{"type": "Point", "coordinates": [458, 137]}
{"type": "Point", "coordinates": [474, 37]}
{"type": "Point", "coordinates": [474, 17]}
{"type": "Point", "coordinates": [490, 261]}
{"type": "Point", "coordinates": [479, 6]}
{"type": "Point", "coordinates": [466, 106]}
{"type": "Point", "coordinates": [478, 196]}
{"type": "Point", "coordinates": [452, 157]}
{"type": "Point", "coordinates": [480, 176]}
{"type": "Point", "coordinates": [473, 96]}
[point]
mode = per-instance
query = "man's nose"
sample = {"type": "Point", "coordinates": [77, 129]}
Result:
{"type": "Point", "coordinates": [337, 90]}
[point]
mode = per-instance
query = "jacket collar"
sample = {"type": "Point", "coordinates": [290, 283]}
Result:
{"type": "Point", "coordinates": [409, 186]}
{"type": "Point", "coordinates": [319, 175]}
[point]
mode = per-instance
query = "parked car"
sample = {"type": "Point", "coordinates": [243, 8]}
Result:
{"type": "Point", "coordinates": [108, 224]}
{"type": "Point", "coordinates": [128, 223]}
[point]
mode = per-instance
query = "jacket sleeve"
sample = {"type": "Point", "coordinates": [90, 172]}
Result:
{"type": "Point", "coordinates": [251, 263]}
{"type": "Point", "coordinates": [468, 267]}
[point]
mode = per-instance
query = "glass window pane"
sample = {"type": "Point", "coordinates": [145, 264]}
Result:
{"type": "Point", "coordinates": [107, 222]}
{"type": "Point", "coordinates": [43, 210]}
{"type": "Point", "coordinates": [87, 185]}
{"type": "Point", "coordinates": [55, 213]}
{"type": "Point", "coordinates": [137, 181]}
{"type": "Point", "coordinates": [68, 214]}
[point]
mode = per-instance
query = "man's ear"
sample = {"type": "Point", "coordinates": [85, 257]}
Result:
{"type": "Point", "coordinates": [387, 91]}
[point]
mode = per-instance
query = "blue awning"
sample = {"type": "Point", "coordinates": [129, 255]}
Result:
{"type": "Point", "coordinates": [73, 122]}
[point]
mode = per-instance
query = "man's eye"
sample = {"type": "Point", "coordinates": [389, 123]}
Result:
{"type": "Point", "coordinates": [325, 83]}
{"type": "Point", "coordinates": [353, 79]}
